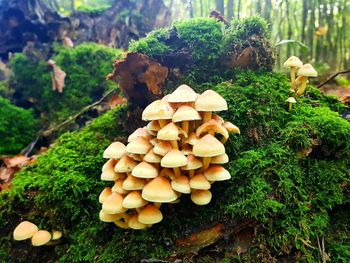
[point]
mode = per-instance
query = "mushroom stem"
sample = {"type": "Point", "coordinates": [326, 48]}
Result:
{"type": "Point", "coordinates": [174, 144]}
{"type": "Point", "coordinates": [206, 116]}
{"type": "Point", "coordinates": [191, 173]}
{"type": "Point", "coordinates": [206, 162]}
{"type": "Point", "coordinates": [177, 171]}
{"type": "Point", "coordinates": [185, 126]}
{"type": "Point", "coordinates": [292, 78]}
{"type": "Point", "coordinates": [302, 87]}
{"type": "Point", "coordinates": [53, 242]}
{"type": "Point", "coordinates": [224, 140]}
{"type": "Point", "coordinates": [162, 123]}
{"type": "Point", "coordinates": [121, 224]}
{"type": "Point", "coordinates": [290, 106]}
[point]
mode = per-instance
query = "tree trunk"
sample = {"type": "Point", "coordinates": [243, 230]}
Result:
{"type": "Point", "coordinates": [230, 7]}
{"type": "Point", "coordinates": [220, 6]}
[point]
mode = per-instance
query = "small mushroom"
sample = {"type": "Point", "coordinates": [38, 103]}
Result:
{"type": "Point", "coordinates": [118, 187]}
{"type": "Point", "coordinates": [217, 173]}
{"type": "Point", "coordinates": [158, 110]}
{"type": "Point", "coordinates": [293, 63]}
{"type": "Point", "coordinates": [291, 101]}
{"type": "Point", "coordinates": [150, 215]}
{"type": "Point", "coordinates": [145, 170]}
{"type": "Point", "coordinates": [108, 218]}
{"type": "Point", "coordinates": [230, 127]}
{"type": "Point", "coordinates": [220, 159]}
{"type": "Point", "coordinates": [108, 173]}
{"type": "Point", "coordinates": [174, 159]}
{"type": "Point", "coordinates": [159, 190]}
{"type": "Point", "coordinates": [104, 194]}
{"type": "Point", "coordinates": [170, 133]}
{"type": "Point", "coordinates": [55, 235]}
{"type": "Point", "coordinates": [192, 164]}
{"type": "Point", "coordinates": [201, 197]}
{"type": "Point", "coordinates": [184, 114]}
{"type": "Point", "coordinates": [305, 72]}
{"type": "Point", "coordinates": [140, 132]}
{"type": "Point", "coordinates": [40, 238]}
{"type": "Point", "coordinates": [162, 148]}
{"type": "Point", "coordinates": [24, 231]}
{"type": "Point", "coordinates": [134, 222]}
{"type": "Point", "coordinates": [139, 145]}
{"type": "Point", "coordinates": [181, 184]}
{"type": "Point", "coordinates": [134, 200]}
{"type": "Point", "coordinates": [199, 182]}
{"type": "Point", "coordinates": [212, 127]}
{"type": "Point", "coordinates": [114, 151]}
{"type": "Point", "coordinates": [113, 204]}
{"type": "Point", "coordinates": [208, 102]}
{"type": "Point", "coordinates": [125, 165]}
{"type": "Point", "coordinates": [134, 183]}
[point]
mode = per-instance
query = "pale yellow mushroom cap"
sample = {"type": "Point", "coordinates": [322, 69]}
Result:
{"type": "Point", "coordinates": [217, 173]}
{"type": "Point", "coordinates": [158, 110]}
{"type": "Point", "coordinates": [116, 151]}
{"type": "Point", "coordinates": [104, 194]}
{"type": "Point", "coordinates": [108, 217]}
{"type": "Point", "coordinates": [174, 158]}
{"type": "Point", "coordinates": [140, 132]}
{"type": "Point", "coordinates": [125, 165]}
{"type": "Point", "coordinates": [139, 145]}
{"type": "Point", "coordinates": [181, 184]}
{"type": "Point", "coordinates": [209, 100]}
{"type": "Point", "coordinates": [186, 113]}
{"type": "Point", "coordinates": [162, 148]}
{"type": "Point", "coordinates": [118, 187]}
{"type": "Point", "coordinates": [153, 126]}
{"type": "Point", "coordinates": [292, 61]}
{"type": "Point", "coordinates": [208, 146]}
{"type": "Point", "coordinates": [220, 159]}
{"type": "Point", "coordinates": [24, 230]}
{"type": "Point", "coordinates": [108, 173]}
{"type": "Point", "coordinates": [150, 215]}
{"type": "Point", "coordinates": [230, 127]}
{"type": "Point", "coordinates": [159, 190]}
{"type": "Point", "coordinates": [56, 235]}
{"type": "Point", "coordinates": [134, 223]}
{"type": "Point", "coordinates": [192, 139]}
{"type": "Point", "coordinates": [169, 132]}
{"type": "Point", "coordinates": [199, 182]}
{"type": "Point", "coordinates": [201, 197]}
{"type": "Point", "coordinates": [109, 164]}
{"type": "Point", "coordinates": [40, 238]}
{"type": "Point", "coordinates": [214, 126]}
{"type": "Point", "coordinates": [134, 183]}
{"type": "Point", "coordinates": [134, 200]}
{"type": "Point", "coordinates": [291, 100]}
{"type": "Point", "coordinates": [152, 157]}
{"type": "Point", "coordinates": [113, 204]}
{"type": "Point", "coordinates": [192, 163]}
{"type": "Point", "coordinates": [307, 70]}
{"type": "Point", "coordinates": [145, 170]}
{"type": "Point", "coordinates": [183, 93]}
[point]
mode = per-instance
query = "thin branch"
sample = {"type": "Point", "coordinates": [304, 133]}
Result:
{"type": "Point", "coordinates": [333, 77]}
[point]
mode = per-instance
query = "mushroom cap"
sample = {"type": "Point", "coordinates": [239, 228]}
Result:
{"type": "Point", "coordinates": [153, 126]}
{"type": "Point", "coordinates": [152, 157]}
{"type": "Point", "coordinates": [174, 158]}
{"type": "Point", "coordinates": [186, 113]}
{"type": "Point", "coordinates": [217, 173]}
{"type": "Point", "coordinates": [139, 146]}
{"type": "Point", "coordinates": [169, 132]}
{"type": "Point", "coordinates": [212, 125]}
{"type": "Point", "coordinates": [134, 200]}
{"type": "Point", "coordinates": [201, 197]}
{"type": "Point", "coordinates": [208, 146]}
{"type": "Point", "coordinates": [116, 151]}
{"type": "Point", "coordinates": [183, 93]}
{"type": "Point", "coordinates": [135, 157]}
{"type": "Point", "coordinates": [113, 204]}
{"type": "Point", "coordinates": [159, 190]}
{"type": "Point", "coordinates": [118, 187]}
{"type": "Point", "coordinates": [140, 132]}
{"type": "Point", "coordinates": [158, 110]}
{"type": "Point", "coordinates": [307, 70]}
{"type": "Point", "coordinates": [293, 61]}
{"type": "Point", "coordinates": [220, 159]}
{"type": "Point", "coordinates": [192, 163]}
{"type": "Point", "coordinates": [108, 217]}
{"type": "Point", "coordinates": [125, 165]}
{"type": "Point", "coordinates": [104, 194]}
{"type": "Point", "coordinates": [181, 184]}
{"type": "Point", "coordinates": [217, 118]}
{"type": "Point", "coordinates": [199, 182]}
{"type": "Point", "coordinates": [192, 139]}
{"type": "Point", "coordinates": [150, 215]}
{"type": "Point", "coordinates": [145, 170]}
{"type": "Point", "coordinates": [134, 223]}
{"type": "Point", "coordinates": [162, 148]}
{"type": "Point", "coordinates": [154, 141]}
{"type": "Point", "coordinates": [109, 164]}
{"type": "Point", "coordinates": [122, 223]}
{"type": "Point", "coordinates": [40, 238]}
{"type": "Point", "coordinates": [133, 183]}
{"type": "Point", "coordinates": [230, 127]}
{"type": "Point", "coordinates": [209, 100]}
{"type": "Point", "coordinates": [108, 173]}
{"type": "Point", "coordinates": [291, 100]}
{"type": "Point", "coordinates": [55, 235]}
{"type": "Point", "coordinates": [24, 230]}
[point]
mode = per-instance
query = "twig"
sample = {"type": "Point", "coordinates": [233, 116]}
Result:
{"type": "Point", "coordinates": [333, 77]}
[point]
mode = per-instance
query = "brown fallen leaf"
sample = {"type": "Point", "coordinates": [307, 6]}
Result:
{"type": "Point", "coordinates": [57, 76]}
{"type": "Point", "coordinates": [16, 161]}
{"type": "Point", "coordinates": [115, 101]}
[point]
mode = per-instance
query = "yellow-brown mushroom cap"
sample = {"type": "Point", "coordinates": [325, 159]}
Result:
{"type": "Point", "coordinates": [186, 113]}
{"type": "Point", "coordinates": [208, 146]}
{"type": "Point", "coordinates": [170, 132]}
{"type": "Point", "coordinates": [116, 151]}
{"type": "Point", "coordinates": [118, 187]}
{"type": "Point", "coordinates": [108, 217]}
{"type": "Point", "coordinates": [152, 157]}
{"type": "Point", "coordinates": [134, 183]}
{"type": "Point", "coordinates": [212, 125]}
{"type": "Point", "coordinates": [139, 145]}
{"type": "Point", "coordinates": [104, 194]}
{"type": "Point", "coordinates": [220, 159]}
{"type": "Point", "coordinates": [140, 132]}
{"type": "Point", "coordinates": [183, 93]}
{"type": "Point", "coordinates": [174, 158]}
{"type": "Point", "coordinates": [307, 70]}
{"type": "Point", "coordinates": [158, 110]}
{"type": "Point", "coordinates": [40, 238]}
{"type": "Point", "coordinates": [134, 223]}
{"type": "Point", "coordinates": [199, 182]}
{"type": "Point", "coordinates": [145, 170]}
{"type": "Point", "coordinates": [153, 126]}
{"type": "Point", "coordinates": [150, 215]}
{"type": "Point", "coordinates": [125, 165]}
{"type": "Point", "coordinates": [159, 190]}
{"type": "Point", "coordinates": [162, 148]}
{"type": "Point", "coordinates": [209, 100]}
{"type": "Point", "coordinates": [55, 235]}
{"type": "Point", "coordinates": [113, 204]}
{"type": "Point", "coordinates": [217, 173]}
{"type": "Point", "coordinates": [134, 200]}
{"type": "Point", "coordinates": [192, 163]}
{"type": "Point", "coordinates": [192, 139]}
{"type": "Point", "coordinates": [292, 61]}
{"type": "Point", "coordinates": [24, 230]}
{"type": "Point", "coordinates": [201, 197]}
{"type": "Point", "coordinates": [230, 127]}
{"type": "Point", "coordinates": [181, 184]}
{"type": "Point", "coordinates": [108, 173]}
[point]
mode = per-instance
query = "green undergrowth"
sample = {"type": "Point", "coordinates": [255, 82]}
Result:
{"type": "Point", "coordinates": [290, 173]}
{"type": "Point", "coordinates": [17, 127]}
{"type": "Point", "coordinates": [86, 66]}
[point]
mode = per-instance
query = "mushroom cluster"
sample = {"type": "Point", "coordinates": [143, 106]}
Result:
{"type": "Point", "coordinates": [180, 151]}
{"type": "Point", "coordinates": [26, 230]}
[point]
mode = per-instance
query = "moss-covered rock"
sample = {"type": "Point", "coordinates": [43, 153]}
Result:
{"type": "Point", "coordinates": [86, 66]}
{"type": "Point", "coordinates": [17, 127]}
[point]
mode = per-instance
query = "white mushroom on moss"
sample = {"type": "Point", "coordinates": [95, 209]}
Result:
{"type": "Point", "coordinates": [293, 63]}
{"type": "Point", "coordinates": [291, 101]}
{"type": "Point", "coordinates": [305, 72]}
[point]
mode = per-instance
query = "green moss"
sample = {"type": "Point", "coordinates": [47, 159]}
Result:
{"type": "Point", "coordinates": [244, 28]}
{"type": "Point", "coordinates": [17, 127]}
{"type": "Point", "coordinates": [86, 66]}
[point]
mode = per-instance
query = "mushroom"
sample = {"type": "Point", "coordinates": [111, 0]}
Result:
{"type": "Point", "coordinates": [108, 218]}
{"type": "Point", "coordinates": [134, 183]}
{"type": "Point", "coordinates": [104, 194]}
{"type": "Point", "coordinates": [182, 95]}
{"type": "Point", "coordinates": [230, 127]}
{"type": "Point", "coordinates": [140, 132]}
{"type": "Point", "coordinates": [212, 127]}
{"type": "Point", "coordinates": [139, 145]}
{"type": "Point", "coordinates": [116, 151]}
{"type": "Point", "coordinates": [122, 222]}
{"type": "Point", "coordinates": [293, 63]}
{"type": "Point", "coordinates": [201, 197]}
{"type": "Point", "coordinates": [40, 238]}
{"type": "Point", "coordinates": [291, 101]}
{"type": "Point", "coordinates": [208, 147]}
{"type": "Point", "coordinates": [108, 173]}
{"type": "Point", "coordinates": [55, 235]}
{"type": "Point", "coordinates": [113, 204]}
{"type": "Point", "coordinates": [152, 157]}
{"type": "Point", "coordinates": [159, 190]}
{"type": "Point", "coordinates": [217, 173]}
{"type": "Point", "coordinates": [305, 72]}
{"type": "Point", "coordinates": [174, 159]}
{"type": "Point", "coordinates": [24, 231]}
{"type": "Point", "coordinates": [199, 182]}
{"type": "Point", "coordinates": [220, 159]}
{"type": "Point", "coordinates": [208, 102]}
{"type": "Point", "coordinates": [158, 110]}
{"type": "Point", "coordinates": [145, 170]}
{"type": "Point", "coordinates": [181, 184]}
{"type": "Point", "coordinates": [150, 215]}
{"type": "Point", "coordinates": [162, 148]}
{"type": "Point", "coordinates": [134, 200]}
{"type": "Point", "coordinates": [170, 132]}
{"type": "Point", "coordinates": [192, 164]}
{"type": "Point", "coordinates": [185, 114]}
{"type": "Point", "coordinates": [118, 187]}
{"type": "Point", "coordinates": [134, 222]}
{"type": "Point", "coordinates": [125, 165]}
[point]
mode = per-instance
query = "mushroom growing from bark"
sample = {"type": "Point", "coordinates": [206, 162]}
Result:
{"type": "Point", "coordinates": [293, 63]}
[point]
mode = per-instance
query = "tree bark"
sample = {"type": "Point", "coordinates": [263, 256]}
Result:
{"type": "Point", "coordinates": [220, 6]}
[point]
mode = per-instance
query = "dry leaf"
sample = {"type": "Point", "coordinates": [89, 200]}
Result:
{"type": "Point", "coordinates": [115, 101]}
{"type": "Point", "coordinates": [16, 161]}
{"type": "Point", "coordinates": [57, 76]}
